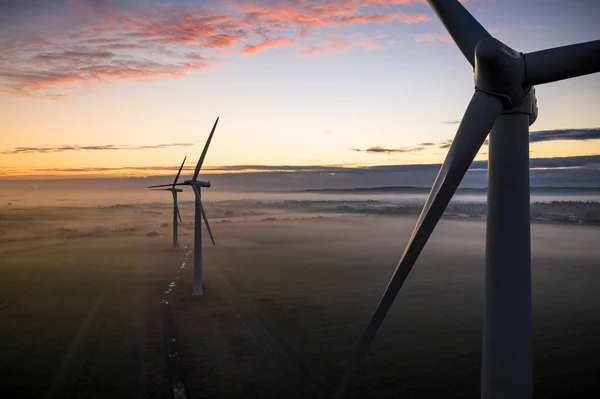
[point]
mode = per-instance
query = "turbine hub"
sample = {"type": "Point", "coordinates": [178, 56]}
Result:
{"type": "Point", "coordinates": [528, 107]}
{"type": "Point", "coordinates": [500, 71]}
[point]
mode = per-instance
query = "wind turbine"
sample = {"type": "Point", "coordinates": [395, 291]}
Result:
{"type": "Point", "coordinates": [504, 103]}
{"type": "Point", "coordinates": [174, 190]}
{"type": "Point", "coordinates": [199, 215]}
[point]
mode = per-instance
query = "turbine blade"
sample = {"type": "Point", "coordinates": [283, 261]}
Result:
{"type": "Point", "coordinates": [179, 172]}
{"type": "Point", "coordinates": [479, 118]}
{"type": "Point", "coordinates": [197, 193]}
{"type": "Point", "coordinates": [160, 185]}
{"type": "Point", "coordinates": [175, 205]}
{"type": "Point", "coordinates": [201, 160]}
{"type": "Point", "coordinates": [160, 189]}
{"type": "Point", "coordinates": [167, 185]}
{"type": "Point", "coordinates": [462, 26]}
{"type": "Point", "coordinates": [561, 63]}
{"type": "Point", "coordinates": [206, 222]}
{"type": "Point", "coordinates": [201, 209]}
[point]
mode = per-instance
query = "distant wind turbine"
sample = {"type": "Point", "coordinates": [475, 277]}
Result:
{"type": "Point", "coordinates": [504, 103]}
{"type": "Point", "coordinates": [199, 215]}
{"type": "Point", "coordinates": [174, 190]}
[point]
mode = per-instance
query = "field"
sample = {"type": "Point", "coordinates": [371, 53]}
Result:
{"type": "Point", "coordinates": [286, 301]}
{"type": "Point", "coordinates": [287, 294]}
{"type": "Point", "coordinates": [79, 303]}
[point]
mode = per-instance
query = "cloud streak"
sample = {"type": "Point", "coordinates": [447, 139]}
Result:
{"type": "Point", "coordinates": [565, 134]}
{"type": "Point", "coordinates": [387, 150]}
{"type": "Point", "coordinates": [224, 169]}
{"type": "Point", "coordinates": [538, 136]}
{"type": "Point", "coordinates": [107, 147]}
{"type": "Point", "coordinates": [583, 162]}
{"type": "Point", "coordinates": [534, 137]}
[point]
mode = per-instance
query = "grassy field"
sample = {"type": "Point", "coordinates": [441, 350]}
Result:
{"type": "Point", "coordinates": [285, 301]}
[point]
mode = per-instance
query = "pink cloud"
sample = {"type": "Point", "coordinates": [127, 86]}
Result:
{"type": "Point", "coordinates": [267, 43]}
{"type": "Point", "coordinates": [341, 44]}
{"type": "Point", "coordinates": [333, 48]}
{"type": "Point", "coordinates": [29, 83]}
{"type": "Point", "coordinates": [164, 40]}
{"type": "Point", "coordinates": [314, 14]}
{"type": "Point", "coordinates": [339, 47]}
{"type": "Point", "coordinates": [431, 37]}
{"type": "Point", "coordinates": [390, 3]}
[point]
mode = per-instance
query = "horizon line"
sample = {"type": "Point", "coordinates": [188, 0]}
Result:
{"type": "Point", "coordinates": [166, 171]}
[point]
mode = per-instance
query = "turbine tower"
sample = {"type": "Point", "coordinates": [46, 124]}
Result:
{"type": "Point", "coordinates": [503, 105]}
{"type": "Point", "coordinates": [174, 190]}
{"type": "Point", "coordinates": [199, 215]}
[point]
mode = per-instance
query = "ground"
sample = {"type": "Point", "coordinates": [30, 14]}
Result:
{"type": "Point", "coordinates": [285, 301]}
{"type": "Point", "coordinates": [79, 305]}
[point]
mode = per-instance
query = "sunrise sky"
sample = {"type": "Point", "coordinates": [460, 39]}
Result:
{"type": "Point", "coordinates": [129, 87]}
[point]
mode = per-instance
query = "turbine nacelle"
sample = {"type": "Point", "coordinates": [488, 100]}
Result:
{"type": "Point", "coordinates": [500, 71]}
{"type": "Point", "coordinates": [197, 183]}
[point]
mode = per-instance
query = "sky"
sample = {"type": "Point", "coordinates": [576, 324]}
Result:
{"type": "Point", "coordinates": [130, 87]}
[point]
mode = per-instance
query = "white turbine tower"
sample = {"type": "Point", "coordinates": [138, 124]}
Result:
{"type": "Point", "coordinates": [174, 190]}
{"type": "Point", "coordinates": [199, 215]}
{"type": "Point", "coordinates": [504, 103]}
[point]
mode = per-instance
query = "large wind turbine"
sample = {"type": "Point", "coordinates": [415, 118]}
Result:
{"type": "Point", "coordinates": [174, 190]}
{"type": "Point", "coordinates": [504, 103]}
{"type": "Point", "coordinates": [199, 215]}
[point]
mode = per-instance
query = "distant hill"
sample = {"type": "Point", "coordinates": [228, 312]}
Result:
{"type": "Point", "coordinates": [425, 190]}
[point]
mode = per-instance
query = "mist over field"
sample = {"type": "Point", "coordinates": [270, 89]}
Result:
{"type": "Point", "coordinates": [294, 278]}
{"type": "Point", "coordinates": [561, 179]}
